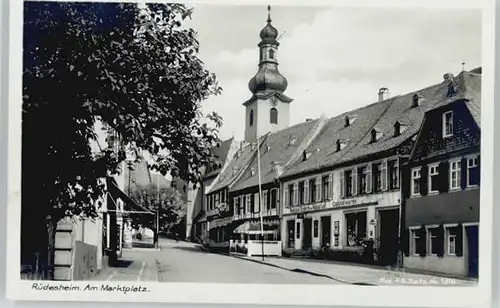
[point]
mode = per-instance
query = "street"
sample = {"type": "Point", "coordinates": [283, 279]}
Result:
{"type": "Point", "coordinates": [186, 262]}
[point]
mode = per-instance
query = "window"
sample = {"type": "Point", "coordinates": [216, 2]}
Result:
{"type": "Point", "coordinates": [298, 229]}
{"type": "Point", "coordinates": [325, 182]}
{"type": "Point", "coordinates": [295, 194]}
{"type": "Point", "coordinates": [265, 200]}
{"type": "Point", "coordinates": [274, 200]}
{"type": "Point", "coordinates": [433, 178]}
{"type": "Point", "coordinates": [473, 173]}
{"type": "Point", "coordinates": [316, 227]}
{"type": "Point", "coordinates": [237, 209]}
{"type": "Point", "coordinates": [448, 124]}
{"type": "Point", "coordinates": [393, 174]}
{"type": "Point", "coordinates": [377, 177]}
{"type": "Point", "coordinates": [271, 54]}
{"type": "Point", "coordinates": [290, 194]}
{"type": "Point", "coordinates": [312, 190]}
{"type": "Point", "coordinates": [363, 180]}
{"type": "Point", "coordinates": [415, 181]}
{"type": "Point", "coordinates": [415, 242]}
{"type": "Point", "coordinates": [252, 203]}
{"type": "Point", "coordinates": [301, 192]}
{"type": "Point", "coordinates": [273, 114]}
{"type": "Point", "coordinates": [348, 183]}
{"type": "Point", "coordinates": [251, 117]}
{"type": "Point", "coordinates": [434, 241]}
{"type": "Point", "coordinates": [455, 170]}
{"type": "Point", "coordinates": [451, 235]}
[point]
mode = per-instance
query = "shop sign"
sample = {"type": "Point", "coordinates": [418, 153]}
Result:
{"type": "Point", "coordinates": [345, 202]}
{"type": "Point", "coordinates": [308, 207]}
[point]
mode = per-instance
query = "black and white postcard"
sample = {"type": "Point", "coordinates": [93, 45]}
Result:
{"type": "Point", "coordinates": [299, 153]}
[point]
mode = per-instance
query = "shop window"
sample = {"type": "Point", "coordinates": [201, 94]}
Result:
{"type": "Point", "coordinates": [455, 170]}
{"type": "Point", "coordinates": [290, 224]}
{"type": "Point", "coordinates": [356, 228]}
{"type": "Point", "coordinates": [298, 229]}
{"type": "Point", "coordinates": [433, 178]}
{"type": "Point", "coordinates": [473, 173]}
{"type": "Point", "coordinates": [394, 174]}
{"type": "Point", "coordinates": [316, 227]}
{"type": "Point", "coordinates": [415, 181]}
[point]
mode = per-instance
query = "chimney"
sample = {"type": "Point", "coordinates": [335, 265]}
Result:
{"type": "Point", "coordinates": [416, 100]}
{"type": "Point", "coordinates": [448, 76]}
{"type": "Point", "coordinates": [383, 94]}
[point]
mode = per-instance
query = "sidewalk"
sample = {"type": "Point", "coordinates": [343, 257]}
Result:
{"type": "Point", "coordinates": [357, 274]}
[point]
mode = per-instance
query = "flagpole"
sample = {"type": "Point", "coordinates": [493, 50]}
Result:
{"type": "Point", "coordinates": [260, 199]}
{"type": "Point", "coordinates": [158, 214]}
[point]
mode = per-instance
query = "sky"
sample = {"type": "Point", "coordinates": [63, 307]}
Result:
{"type": "Point", "coordinates": [335, 59]}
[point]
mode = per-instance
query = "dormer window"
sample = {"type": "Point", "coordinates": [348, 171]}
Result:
{"type": "Point", "coordinates": [235, 170]}
{"type": "Point", "coordinates": [373, 136]}
{"type": "Point", "coordinates": [397, 129]}
{"type": "Point", "coordinates": [292, 140]}
{"type": "Point", "coordinates": [448, 124]}
{"type": "Point", "coordinates": [252, 171]}
{"type": "Point", "coordinates": [416, 100]}
{"type": "Point", "coordinates": [347, 121]}
{"type": "Point", "coordinates": [268, 148]}
{"type": "Point", "coordinates": [305, 155]}
{"type": "Point", "coordinates": [340, 145]}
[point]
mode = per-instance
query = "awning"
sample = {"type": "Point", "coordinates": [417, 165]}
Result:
{"type": "Point", "coordinates": [130, 205]}
{"type": "Point", "coordinates": [251, 227]}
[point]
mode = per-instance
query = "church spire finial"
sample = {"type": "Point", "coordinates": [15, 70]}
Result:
{"type": "Point", "coordinates": [269, 14]}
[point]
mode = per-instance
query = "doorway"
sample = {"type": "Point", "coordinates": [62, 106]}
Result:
{"type": "Point", "coordinates": [389, 234]}
{"type": "Point", "coordinates": [472, 242]}
{"type": "Point", "coordinates": [290, 226]}
{"type": "Point", "coordinates": [326, 226]}
{"type": "Point", "coordinates": [307, 240]}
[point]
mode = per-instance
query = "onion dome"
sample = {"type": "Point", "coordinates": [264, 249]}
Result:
{"type": "Point", "coordinates": [268, 78]}
{"type": "Point", "coordinates": [269, 33]}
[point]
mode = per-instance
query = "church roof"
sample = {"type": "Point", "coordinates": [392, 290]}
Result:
{"type": "Point", "coordinates": [221, 153]}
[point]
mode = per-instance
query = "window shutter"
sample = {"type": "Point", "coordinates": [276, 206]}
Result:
{"type": "Point", "coordinates": [422, 247]}
{"type": "Point", "coordinates": [330, 186]}
{"type": "Point", "coordinates": [257, 202]}
{"type": "Point", "coordinates": [406, 242]}
{"type": "Point", "coordinates": [383, 180]}
{"type": "Point", "coordinates": [306, 191]}
{"type": "Point", "coordinates": [354, 181]}
{"type": "Point", "coordinates": [444, 176]}
{"type": "Point", "coordinates": [287, 202]}
{"type": "Point", "coordinates": [295, 193]}
{"type": "Point", "coordinates": [265, 206]}
{"type": "Point", "coordinates": [318, 189]}
{"type": "Point", "coordinates": [341, 183]}
{"type": "Point", "coordinates": [459, 249]}
{"type": "Point", "coordinates": [463, 173]}
{"type": "Point", "coordinates": [423, 180]}
{"type": "Point", "coordinates": [440, 252]}
{"type": "Point", "coordinates": [478, 170]}
{"type": "Point", "coordinates": [369, 178]}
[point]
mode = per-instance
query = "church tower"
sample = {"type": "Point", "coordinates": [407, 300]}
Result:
{"type": "Point", "coordinates": [268, 110]}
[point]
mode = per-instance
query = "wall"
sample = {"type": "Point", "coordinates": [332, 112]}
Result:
{"type": "Point", "coordinates": [85, 261]}
{"type": "Point", "coordinates": [447, 264]}
{"type": "Point", "coordinates": [451, 207]}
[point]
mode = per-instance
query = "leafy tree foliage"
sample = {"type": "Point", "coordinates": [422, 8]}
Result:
{"type": "Point", "coordinates": [163, 201]}
{"type": "Point", "coordinates": [134, 68]}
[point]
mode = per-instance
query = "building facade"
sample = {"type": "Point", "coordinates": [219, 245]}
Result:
{"type": "Point", "coordinates": [442, 185]}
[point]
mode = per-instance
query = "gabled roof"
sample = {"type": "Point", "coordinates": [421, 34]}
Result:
{"type": "Point", "coordinates": [221, 153]}
{"type": "Point", "coordinates": [235, 167]}
{"type": "Point", "coordinates": [278, 148]}
{"type": "Point", "coordinates": [382, 116]}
